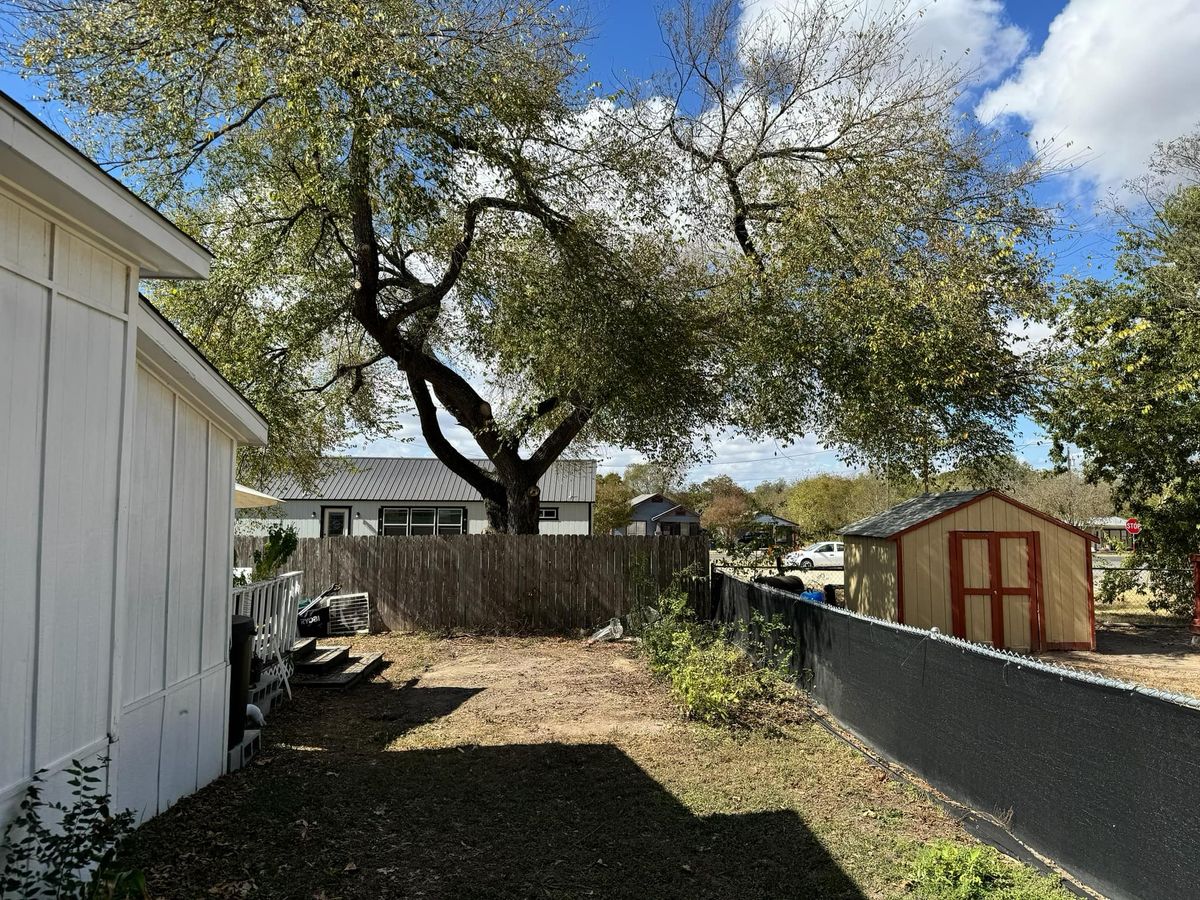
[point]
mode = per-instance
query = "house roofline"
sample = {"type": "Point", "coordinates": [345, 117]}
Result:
{"type": "Point", "coordinates": [46, 166]}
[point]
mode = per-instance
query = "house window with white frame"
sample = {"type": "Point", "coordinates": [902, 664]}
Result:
{"type": "Point", "coordinates": [415, 521]}
{"type": "Point", "coordinates": [548, 513]}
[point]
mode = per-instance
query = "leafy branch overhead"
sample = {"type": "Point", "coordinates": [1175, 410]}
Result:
{"type": "Point", "coordinates": [419, 205]}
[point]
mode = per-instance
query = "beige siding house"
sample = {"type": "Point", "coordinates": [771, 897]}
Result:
{"type": "Point", "coordinates": [978, 565]}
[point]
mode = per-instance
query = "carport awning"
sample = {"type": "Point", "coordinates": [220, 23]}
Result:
{"type": "Point", "coordinates": [248, 498]}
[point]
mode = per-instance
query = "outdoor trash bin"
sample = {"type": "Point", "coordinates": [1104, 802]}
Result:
{"type": "Point", "coordinates": [240, 651]}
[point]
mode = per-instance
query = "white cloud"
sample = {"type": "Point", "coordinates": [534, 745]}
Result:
{"type": "Point", "coordinates": [1113, 77]}
{"type": "Point", "coordinates": [973, 34]}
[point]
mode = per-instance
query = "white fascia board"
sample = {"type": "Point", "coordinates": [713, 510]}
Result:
{"type": "Point", "coordinates": [165, 352]}
{"type": "Point", "coordinates": [46, 167]}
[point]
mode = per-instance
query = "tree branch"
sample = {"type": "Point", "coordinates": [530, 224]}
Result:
{"type": "Point", "coordinates": [431, 430]}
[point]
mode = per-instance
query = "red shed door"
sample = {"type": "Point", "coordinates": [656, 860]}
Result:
{"type": "Point", "coordinates": [995, 588]}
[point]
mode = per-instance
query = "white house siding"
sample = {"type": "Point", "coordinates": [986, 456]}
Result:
{"type": "Point", "coordinates": [305, 516]}
{"type": "Point", "coordinates": [65, 347]}
{"type": "Point", "coordinates": [175, 677]}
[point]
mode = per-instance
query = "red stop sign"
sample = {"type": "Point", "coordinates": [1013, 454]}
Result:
{"type": "Point", "coordinates": [1133, 526]}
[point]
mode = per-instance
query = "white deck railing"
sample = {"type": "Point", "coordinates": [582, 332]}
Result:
{"type": "Point", "coordinates": [273, 605]}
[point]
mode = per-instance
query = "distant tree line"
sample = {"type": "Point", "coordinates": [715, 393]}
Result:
{"type": "Point", "coordinates": [822, 504]}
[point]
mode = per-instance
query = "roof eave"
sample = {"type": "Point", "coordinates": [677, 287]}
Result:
{"type": "Point", "coordinates": [168, 353]}
{"type": "Point", "coordinates": [42, 165]}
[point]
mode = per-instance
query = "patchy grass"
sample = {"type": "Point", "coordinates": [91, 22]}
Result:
{"type": "Point", "coordinates": [506, 768]}
{"type": "Point", "coordinates": [1133, 609]}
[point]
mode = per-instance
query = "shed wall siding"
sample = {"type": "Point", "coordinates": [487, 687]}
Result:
{"type": "Point", "coordinates": [65, 352]}
{"type": "Point", "coordinates": [871, 585]}
{"type": "Point", "coordinates": [926, 552]}
{"type": "Point", "coordinates": [175, 665]}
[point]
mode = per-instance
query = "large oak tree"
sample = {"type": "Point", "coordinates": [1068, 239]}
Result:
{"type": "Point", "coordinates": [416, 202]}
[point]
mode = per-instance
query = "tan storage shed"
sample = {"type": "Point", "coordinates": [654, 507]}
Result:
{"type": "Point", "coordinates": [978, 565]}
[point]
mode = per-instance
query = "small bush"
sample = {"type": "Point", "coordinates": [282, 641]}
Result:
{"type": "Point", "coordinates": [281, 543]}
{"type": "Point", "coordinates": [715, 683]}
{"type": "Point", "coordinates": [710, 677]}
{"type": "Point", "coordinates": [61, 851]}
{"type": "Point", "coordinates": [944, 870]}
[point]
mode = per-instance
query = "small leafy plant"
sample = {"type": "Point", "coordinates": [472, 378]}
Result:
{"type": "Point", "coordinates": [711, 677]}
{"type": "Point", "coordinates": [52, 850]}
{"type": "Point", "coordinates": [281, 543]}
{"type": "Point", "coordinates": [945, 870]}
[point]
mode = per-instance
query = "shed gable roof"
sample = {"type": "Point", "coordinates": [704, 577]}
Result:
{"type": "Point", "coordinates": [915, 512]}
{"type": "Point", "coordinates": [393, 478]}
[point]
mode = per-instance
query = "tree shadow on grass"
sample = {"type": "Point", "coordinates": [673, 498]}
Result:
{"type": "Point", "coordinates": [540, 820]}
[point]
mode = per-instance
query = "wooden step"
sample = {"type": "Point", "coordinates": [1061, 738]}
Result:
{"type": "Point", "coordinates": [303, 648]}
{"type": "Point", "coordinates": [349, 673]}
{"type": "Point", "coordinates": [322, 660]}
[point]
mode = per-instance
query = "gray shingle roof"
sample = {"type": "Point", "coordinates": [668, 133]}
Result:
{"type": "Point", "coordinates": [389, 478]}
{"type": "Point", "coordinates": [910, 512]}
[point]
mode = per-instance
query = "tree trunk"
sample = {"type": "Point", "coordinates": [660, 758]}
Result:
{"type": "Point", "coordinates": [521, 512]}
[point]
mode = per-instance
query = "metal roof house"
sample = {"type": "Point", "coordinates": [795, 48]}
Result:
{"type": "Point", "coordinates": [388, 495]}
{"type": "Point", "coordinates": [978, 565]}
{"type": "Point", "coordinates": [116, 482]}
{"type": "Point", "coordinates": [658, 514]}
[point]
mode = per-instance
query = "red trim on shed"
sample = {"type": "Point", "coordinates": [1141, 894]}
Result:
{"type": "Point", "coordinates": [900, 581]}
{"type": "Point", "coordinates": [1091, 595]}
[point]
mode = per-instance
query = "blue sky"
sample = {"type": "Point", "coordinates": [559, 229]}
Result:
{"type": "Point", "coordinates": [1101, 80]}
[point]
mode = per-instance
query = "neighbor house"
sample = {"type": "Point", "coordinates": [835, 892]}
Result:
{"type": "Point", "coordinates": [768, 528]}
{"type": "Point", "coordinates": [653, 514]}
{"type": "Point", "coordinates": [1110, 531]}
{"type": "Point", "coordinates": [388, 495]}
{"type": "Point", "coordinates": [116, 485]}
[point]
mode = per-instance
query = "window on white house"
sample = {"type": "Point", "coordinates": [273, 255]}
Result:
{"type": "Point", "coordinates": [450, 521]}
{"type": "Point", "coordinates": [395, 521]}
{"type": "Point", "coordinates": [403, 520]}
{"type": "Point", "coordinates": [422, 521]}
{"type": "Point", "coordinates": [548, 513]}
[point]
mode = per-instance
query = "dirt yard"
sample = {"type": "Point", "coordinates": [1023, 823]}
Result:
{"type": "Point", "coordinates": [506, 768]}
{"type": "Point", "coordinates": [1138, 644]}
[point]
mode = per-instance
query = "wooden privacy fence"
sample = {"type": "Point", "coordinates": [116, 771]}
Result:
{"type": "Point", "coordinates": [498, 582]}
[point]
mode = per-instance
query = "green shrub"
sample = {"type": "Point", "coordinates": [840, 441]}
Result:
{"type": "Point", "coordinates": [281, 543]}
{"type": "Point", "coordinates": [61, 851]}
{"type": "Point", "coordinates": [712, 678]}
{"type": "Point", "coordinates": [944, 870]}
{"type": "Point", "coordinates": [714, 683]}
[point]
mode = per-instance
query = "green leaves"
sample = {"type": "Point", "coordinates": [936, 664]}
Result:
{"type": "Point", "coordinates": [53, 849]}
{"type": "Point", "coordinates": [1125, 371]}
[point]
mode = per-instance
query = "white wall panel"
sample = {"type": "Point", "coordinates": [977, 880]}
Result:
{"type": "Point", "coordinates": [149, 533]}
{"type": "Point", "coordinates": [177, 772]}
{"type": "Point", "coordinates": [136, 759]}
{"type": "Point", "coordinates": [214, 719]}
{"type": "Point", "coordinates": [185, 592]}
{"type": "Point", "coordinates": [23, 311]}
{"type": "Point", "coordinates": [217, 571]}
{"type": "Point", "coordinates": [73, 533]}
{"type": "Point", "coordinates": [24, 239]}
{"type": "Point", "coordinates": [83, 430]}
{"type": "Point", "coordinates": [85, 272]}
